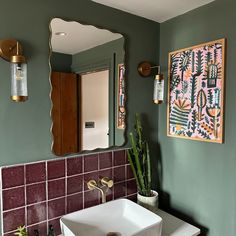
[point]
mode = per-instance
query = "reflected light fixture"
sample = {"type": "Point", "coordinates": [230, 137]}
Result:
{"type": "Point", "coordinates": [11, 51]}
{"type": "Point", "coordinates": [61, 33]}
{"type": "Point", "coordinates": [146, 69]}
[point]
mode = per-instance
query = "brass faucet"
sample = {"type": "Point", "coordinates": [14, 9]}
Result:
{"type": "Point", "coordinates": [102, 186]}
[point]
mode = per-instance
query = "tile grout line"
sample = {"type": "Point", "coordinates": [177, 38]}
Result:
{"type": "Point", "coordinates": [22, 185]}
{"type": "Point", "coordinates": [26, 215]}
{"type": "Point", "coordinates": [83, 200]}
{"type": "Point", "coordinates": [46, 186]}
{"type": "Point", "coordinates": [1, 204]}
{"type": "Point", "coordinates": [112, 173]}
{"type": "Point", "coordinates": [98, 161]}
{"type": "Point", "coordinates": [66, 170]}
{"type": "Point", "coordinates": [130, 195]}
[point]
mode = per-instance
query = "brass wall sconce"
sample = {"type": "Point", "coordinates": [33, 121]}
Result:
{"type": "Point", "coordinates": [146, 69]}
{"type": "Point", "coordinates": [11, 51]}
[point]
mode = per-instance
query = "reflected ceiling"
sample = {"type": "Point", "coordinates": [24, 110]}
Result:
{"type": "Point", "coordinates": [88, 35]}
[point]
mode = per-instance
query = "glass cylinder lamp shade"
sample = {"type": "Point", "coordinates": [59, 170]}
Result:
{"type": "Point", "coordinates": [19, 92]}
{"type": "Point", "coordinates": [158, 92]}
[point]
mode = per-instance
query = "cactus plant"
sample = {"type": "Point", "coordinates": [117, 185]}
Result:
{"type": "Point", "coordinates": [139, 159]}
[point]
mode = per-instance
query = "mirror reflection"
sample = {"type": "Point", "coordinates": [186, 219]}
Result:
{"type": "Point", "coordinates": [87, 79]}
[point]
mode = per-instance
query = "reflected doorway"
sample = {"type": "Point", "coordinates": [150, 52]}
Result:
{"type": "Point", "coordinates": [95, 110]}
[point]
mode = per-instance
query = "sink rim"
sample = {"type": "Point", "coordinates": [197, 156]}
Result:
{"type": "Point", "coordinates": [127, 209]}
{"type": "Point", "coordinates": [112, 203]}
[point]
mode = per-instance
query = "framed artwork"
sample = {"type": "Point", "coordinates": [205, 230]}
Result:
{"type": "Point", "coordinates": [196, 92]}
{"type": "Point", "coordinates": [121, 97]}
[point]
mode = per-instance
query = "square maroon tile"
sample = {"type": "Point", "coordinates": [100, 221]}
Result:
{"type": "Point", "coordinates": [12, 176]}
{"type": "Point", "coordinates": [42, 229]}
{"type": "Point", "coordinates": [56, 188]}
{"type": "Point", "coordinates": [105, 160]}
{"type": "Point", "coordinates": [119, 158]}
{"type": "Point", "coordinates": [56, 225]}
{"type": "Point", "coordinates": [56, 208]}
{"type": "Point", "coordinates": [36, 193]}
{"type": "Point", "coordinates": [74, 166]}
{"type": "Point", "coordinates": [119, 174]}
{"type": "Point", "coordinates": [119, 190]}
{"type": "Point", "coordinates": [56, 169]}
{"type": "Point", "coordinates": [13, 198]}
{"type": "Point", "coordinates": [90, 176]}
{"type": "Point", "coordinates": [75, 184]}
{"type": "Point", "coordinates": [91, 163]}
{"type": "Point", "coordinates": [35, 173]}
{"type": "Point", "coordinates": [129, 172]}
{"type": "Point", "coordinates": [132, 197]}
{"type": "Point", "coordinates": [36, 213]}
{"type": "Point", "coordinates": [74, 202]}
{"type": "Point", "coordinates": [91, 198]}
{"type": "Point", "coordinates": [12, 219]}
{"type": "Point", "coordinates": [105, 173]}
{"type": "Point", "coordinates": [131, 187]}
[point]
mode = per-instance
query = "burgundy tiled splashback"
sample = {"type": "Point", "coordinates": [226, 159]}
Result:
{"type": "Point", "coordinates": [38, 194]}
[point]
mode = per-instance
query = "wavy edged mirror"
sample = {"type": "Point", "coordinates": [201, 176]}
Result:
{"type": "Point", "coordinates": [87, 87]}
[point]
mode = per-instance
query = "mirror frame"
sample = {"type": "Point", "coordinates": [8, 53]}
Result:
{"type": "Point", "coordinates": [115, 105]}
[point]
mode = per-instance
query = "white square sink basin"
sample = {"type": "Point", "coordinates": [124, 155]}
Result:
{"type": "Point", "coordinates": [116, 218]}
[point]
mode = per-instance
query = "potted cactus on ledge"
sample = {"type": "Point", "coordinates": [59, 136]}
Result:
{"type": "Point", "coordinates": [140, 162]}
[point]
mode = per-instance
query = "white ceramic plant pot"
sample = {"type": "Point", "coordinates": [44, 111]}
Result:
{"type": "Point", "coordinates": [150, 203]}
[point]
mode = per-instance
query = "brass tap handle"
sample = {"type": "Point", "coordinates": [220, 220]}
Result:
{"type": "Point", "coordinates": [92, 184]}
{"type": "Point", "coordinates": [105, 181]}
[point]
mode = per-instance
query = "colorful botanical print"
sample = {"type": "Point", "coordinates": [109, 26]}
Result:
{"type": "Point", "coordinates": [121, 97]}
{"type": "Point", "coordinates": [196, 89]}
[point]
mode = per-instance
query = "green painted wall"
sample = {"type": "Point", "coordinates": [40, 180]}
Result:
{"type": "Point", "coordinates": [200, 177]}
{"type": "Point", "coordinates": [61, 62]}
{"type": "Point", "coordinates": [25, 128]}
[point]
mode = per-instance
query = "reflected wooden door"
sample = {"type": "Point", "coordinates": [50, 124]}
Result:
{"type": "Point", "coordinates": [64, 113]}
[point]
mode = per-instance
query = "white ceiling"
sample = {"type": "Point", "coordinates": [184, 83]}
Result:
{"type": "Point", "coordinates": [78, 37]}
{"type": "Point", "coordinates": [156, 10]}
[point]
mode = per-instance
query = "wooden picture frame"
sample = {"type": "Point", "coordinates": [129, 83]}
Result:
{"type": "Point", "coordinates": [121, 97]}
{"type": "Point", "coordinates": [196, 80]}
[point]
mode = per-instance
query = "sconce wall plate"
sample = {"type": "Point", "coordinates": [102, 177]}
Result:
{"type": "Point", "coordinates": [146, 69]}
{"type": "Point", "coordinates": [8, 48]}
